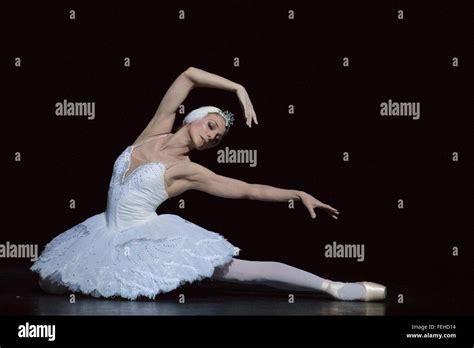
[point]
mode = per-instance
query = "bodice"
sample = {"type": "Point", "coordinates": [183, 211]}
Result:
{"type": "Point", "coordinates": [133, 200]}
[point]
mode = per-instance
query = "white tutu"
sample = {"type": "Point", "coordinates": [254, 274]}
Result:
{"type": "Point", "coordinates": [155, 257]}
{"type": "Point", "coordinates": [129, 250]}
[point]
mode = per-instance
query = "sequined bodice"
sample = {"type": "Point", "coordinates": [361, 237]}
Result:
{"type": "Point", "coordinates": [133, 199]}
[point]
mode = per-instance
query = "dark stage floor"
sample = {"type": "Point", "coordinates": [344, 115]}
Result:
{"type": "Point", "coordinates": [20, 295]}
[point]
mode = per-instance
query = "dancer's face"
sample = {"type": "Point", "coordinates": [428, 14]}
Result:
{"type": "Point", "coordinates": [208, 131]}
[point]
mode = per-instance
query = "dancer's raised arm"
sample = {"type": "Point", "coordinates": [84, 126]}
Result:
{"type": "Point", "coordinates": [197, 177]}
{"type": "Point", "coordinates": [163, 120]}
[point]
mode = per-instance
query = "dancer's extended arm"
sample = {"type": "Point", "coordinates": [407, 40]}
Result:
{"type": "Point", "coordinates": [200, 178]}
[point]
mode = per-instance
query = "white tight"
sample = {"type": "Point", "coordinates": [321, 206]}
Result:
{"type": "Point", "coordinates": [282, 276]}
{"type": "Point", "coordinates": [275, 274]}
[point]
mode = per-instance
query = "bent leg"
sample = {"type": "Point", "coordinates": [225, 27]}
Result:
{"type": "Point", "coordinates": [283, 276]}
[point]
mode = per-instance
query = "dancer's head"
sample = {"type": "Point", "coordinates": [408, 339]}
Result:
{"type": "Point", "coordinates": [207, 126]}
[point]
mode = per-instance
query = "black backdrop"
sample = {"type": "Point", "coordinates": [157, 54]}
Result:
{"type": "Point", "coordinates": [282, 62]}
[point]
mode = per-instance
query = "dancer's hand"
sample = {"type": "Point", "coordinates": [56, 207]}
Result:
{"type": "Point", "coordinates": [246, 105]}
{"type": "Point", "coordinates": [311, 203]}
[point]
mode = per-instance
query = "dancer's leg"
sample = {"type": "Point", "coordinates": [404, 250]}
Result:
{"type": "Point", "coordinates": [283, 276]}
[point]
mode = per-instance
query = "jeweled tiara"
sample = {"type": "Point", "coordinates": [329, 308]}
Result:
{"type": "Point", "coordinates": [228, 117]}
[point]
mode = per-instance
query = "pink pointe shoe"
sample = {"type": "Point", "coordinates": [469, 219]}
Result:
{"type": "Point", "coordinates": [373, 291]}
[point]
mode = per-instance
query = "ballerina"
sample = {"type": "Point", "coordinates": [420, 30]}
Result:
{"type": "Point", "coordinates": [130, 251]}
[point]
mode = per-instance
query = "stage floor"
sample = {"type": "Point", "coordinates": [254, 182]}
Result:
{"type": "Point", "coordinates": [20, 295]}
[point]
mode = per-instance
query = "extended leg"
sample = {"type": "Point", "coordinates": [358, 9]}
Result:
{"type": "Point", "coordinates": [283, 276]}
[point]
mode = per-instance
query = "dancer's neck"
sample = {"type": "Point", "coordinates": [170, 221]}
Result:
{"type": "Point", "coordinates": [178, 144]}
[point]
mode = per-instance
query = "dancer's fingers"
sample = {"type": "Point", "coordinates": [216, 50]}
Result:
{"type": "Point", "coordinates": [330, 210]}
{"type": "Point", "coordinates": [310, 210]}
{"type": "Point", "coordinates": [254, 115]}
{"type": "Point", "coordinates": [249, 120]}
{"type": "Point", "coordinates": [249, 112]}
{"type": "Point", "coordinates": [334, 210]}
{"type": "Point", "coordinates": [246, 113]}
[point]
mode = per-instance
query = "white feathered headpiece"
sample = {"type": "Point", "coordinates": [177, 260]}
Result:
{"type": "Point", "coordinates": [201, 112]}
